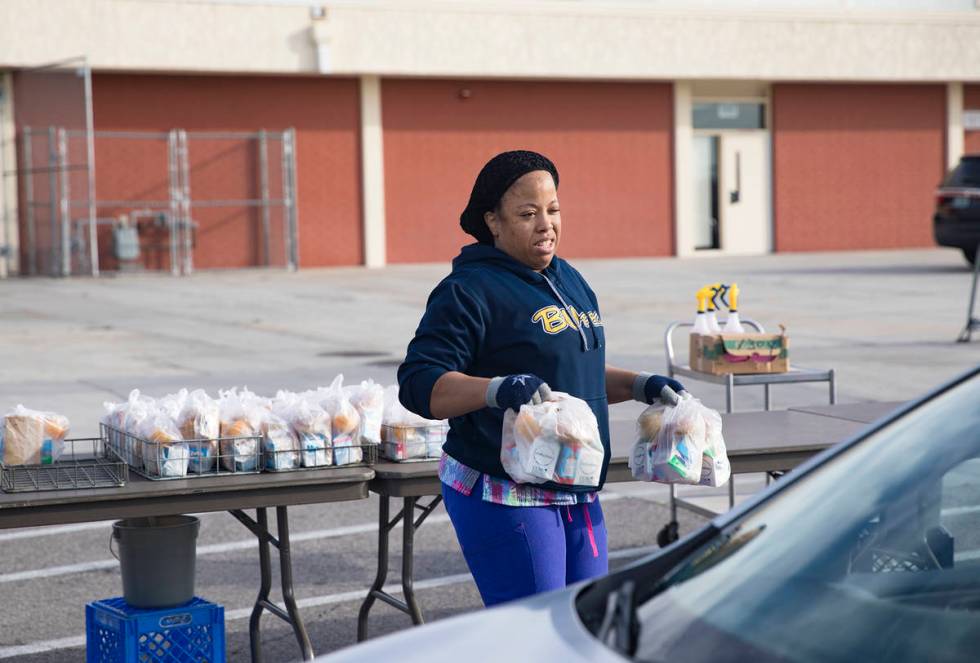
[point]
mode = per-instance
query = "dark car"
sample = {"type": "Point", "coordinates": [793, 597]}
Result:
{"type": "Point", "coordinates": [868, 552]}
{"type": "Point", "coordinates": [956, 222]}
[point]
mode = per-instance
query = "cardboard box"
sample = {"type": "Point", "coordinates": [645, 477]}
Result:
{"type": "Point", "coordinates": [740, 353]}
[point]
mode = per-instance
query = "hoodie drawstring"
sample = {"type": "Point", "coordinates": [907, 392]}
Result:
{"type": "Point", "coordinates": [577, 322]}
{"type": "Point", "coordinates": [568, 512]}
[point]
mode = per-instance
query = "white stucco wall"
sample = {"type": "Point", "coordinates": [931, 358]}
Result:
{"type": "Point", "coordinates": [554, 39]}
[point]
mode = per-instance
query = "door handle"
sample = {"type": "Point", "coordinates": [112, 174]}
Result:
{"type": "Point", "coordinates": [734, 196]}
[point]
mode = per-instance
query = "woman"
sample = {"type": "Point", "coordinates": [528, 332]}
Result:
{"type": "Point", "coordinates": [509, 323]}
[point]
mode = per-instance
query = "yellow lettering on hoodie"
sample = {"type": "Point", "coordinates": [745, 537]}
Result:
{"type": "Point", "coordinates": [553, 319]}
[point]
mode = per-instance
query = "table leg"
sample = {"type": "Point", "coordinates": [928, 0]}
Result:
{"type": "Point", "coordinates": [730, 407]}
{"type": "Point", "coordinates": [767, 395]}
{"type": "Point", "coordinates": [408, 561]}
{"type": "Point", "coordinates": [408, 551]}
{"type": "Point", "coordinates": [265, 568]}
{"type": "Point", "coordinates": [410, 605]}
{"type": "Point", "coordinates": [286, 578]}
{"type": "Point", "coordinates": [833, 387]}
{"type": "Point", "coordinates": [376, 591]}
{"type": "Point", "coordinates": [260, 528]}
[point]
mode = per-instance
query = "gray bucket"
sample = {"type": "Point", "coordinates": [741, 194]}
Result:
{"type": "Point", "coordinates": [157, 557]}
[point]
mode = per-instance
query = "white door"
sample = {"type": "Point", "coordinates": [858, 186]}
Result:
{"type": "Point", "coordinates": [744, 196]}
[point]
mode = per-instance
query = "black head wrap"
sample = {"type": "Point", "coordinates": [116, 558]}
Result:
{"type": "Point", "coordinates": [493, 181]}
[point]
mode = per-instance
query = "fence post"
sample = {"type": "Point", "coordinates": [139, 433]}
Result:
{"type": "Point", "coordinates": [185, 201]}
{"type": "Point", "coordinates": [289, 193]}
{"type": "Point", "coordinates": [64, 202]}
{"type": "Point", "coordinates": [174, 204]}
{"type": "Point", "coordinates": [29, 195]}
{"type": "Point", "coordinates": [264, 186]}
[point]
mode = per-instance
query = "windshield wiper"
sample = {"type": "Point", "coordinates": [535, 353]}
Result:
{"type": "Point", "coordinates": [620, 628]}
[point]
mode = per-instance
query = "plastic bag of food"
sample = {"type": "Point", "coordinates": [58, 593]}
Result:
{"type": "Point", "coordinates": [404, 434]}
{"type": "Point", "coordinates": [715, 468]}
{"type": "Point", "coordinates": [312, 425]}
{"type": "Point", "coordinates": [137, 409]}
{"type": "Point", "coordinates": [114, 420]}
{"type": "Point", "coordinates": [369, 400]}
{"type": "Point", "coordinates": [199, 422]}
{"type": "Point", "coordinates": [435, 437]}
{"type": "Point", "coordinates": [345, 424]}
{"type": "Point", "coordinates": [172, 404]}
{"type": "Point", "coordinates": [280, 446]}
{"type": "Point", "coordinates": [164, 451]}
{"type": "Point", "coordinates": [671, 442]}
{"type": "Point", "coordinates": [32, 437]}
{"type": "Point", "coordinates": [557, 440]}
{"type": "Point", "coordinates": [648, 424]}
{"type": "Point", "coordinates": [241, 416]}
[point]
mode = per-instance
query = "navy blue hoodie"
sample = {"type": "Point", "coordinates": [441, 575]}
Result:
{"type": "Point", "coordinates": [496, 316]}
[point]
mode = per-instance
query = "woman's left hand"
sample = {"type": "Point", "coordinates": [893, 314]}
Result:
{"type": "Point", "coordinates": [648, 387]}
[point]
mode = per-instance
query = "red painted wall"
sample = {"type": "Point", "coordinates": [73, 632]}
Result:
{"type": "Point", "coordinates": [611, 143]}
{"type": "Point", "coordinates": [325, 114]}
{"type": "Point", "coordinates": [854, 166]}
{"type": "Point", "coordinates": [971, 101]}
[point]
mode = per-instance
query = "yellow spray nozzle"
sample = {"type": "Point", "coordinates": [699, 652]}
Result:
{"type": "Point", "coordinates": [733, 292]}
{"type": "Point", "coordinates": [703, 295]}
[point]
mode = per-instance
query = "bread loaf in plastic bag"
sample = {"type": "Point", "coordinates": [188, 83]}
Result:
{"type": "Point", "coordinates": [32, 437]}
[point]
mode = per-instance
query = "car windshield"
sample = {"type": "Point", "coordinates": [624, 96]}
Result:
{"type": "Point", "coordinates": [966, 174]}
{"type": "Point", "coordinates": [874, 556]}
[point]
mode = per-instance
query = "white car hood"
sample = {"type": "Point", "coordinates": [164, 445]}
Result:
{"type": "Point", "coordinates": [539, 629]}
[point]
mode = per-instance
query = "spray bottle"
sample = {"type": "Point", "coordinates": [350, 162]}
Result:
{"type": "Point", "coordinates": [700, 320]}
{"type": "Point", "coordinates": [733, 325]}
{"type": "Point", "coordinates": [713, 290]}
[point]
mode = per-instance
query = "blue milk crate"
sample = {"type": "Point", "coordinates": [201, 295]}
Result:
{"type": "Point", "coordinates": [116, 632]}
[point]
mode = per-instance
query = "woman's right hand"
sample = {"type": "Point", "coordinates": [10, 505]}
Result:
{"type": "Point", "coordinates": [513, 391]}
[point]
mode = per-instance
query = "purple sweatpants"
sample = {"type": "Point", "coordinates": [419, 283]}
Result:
{"type": "Point", "coordinates": [515, 552]}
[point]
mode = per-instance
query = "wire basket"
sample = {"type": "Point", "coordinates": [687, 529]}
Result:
{"type": "Point", "coordinates": [186, 459]}
{"type": "Point", "coordinates": [413, 443]}
{"type": "Point", "coordinates": [274, 451]}
{"type": "Point", "coordinates": [76, 468]}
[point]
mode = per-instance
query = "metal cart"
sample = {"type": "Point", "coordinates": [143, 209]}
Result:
{"type": "Point", "coordinates": [796, 374]}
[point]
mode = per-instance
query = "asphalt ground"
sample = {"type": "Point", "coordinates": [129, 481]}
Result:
{"type": "Point", "coordinates": [884, 320]}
